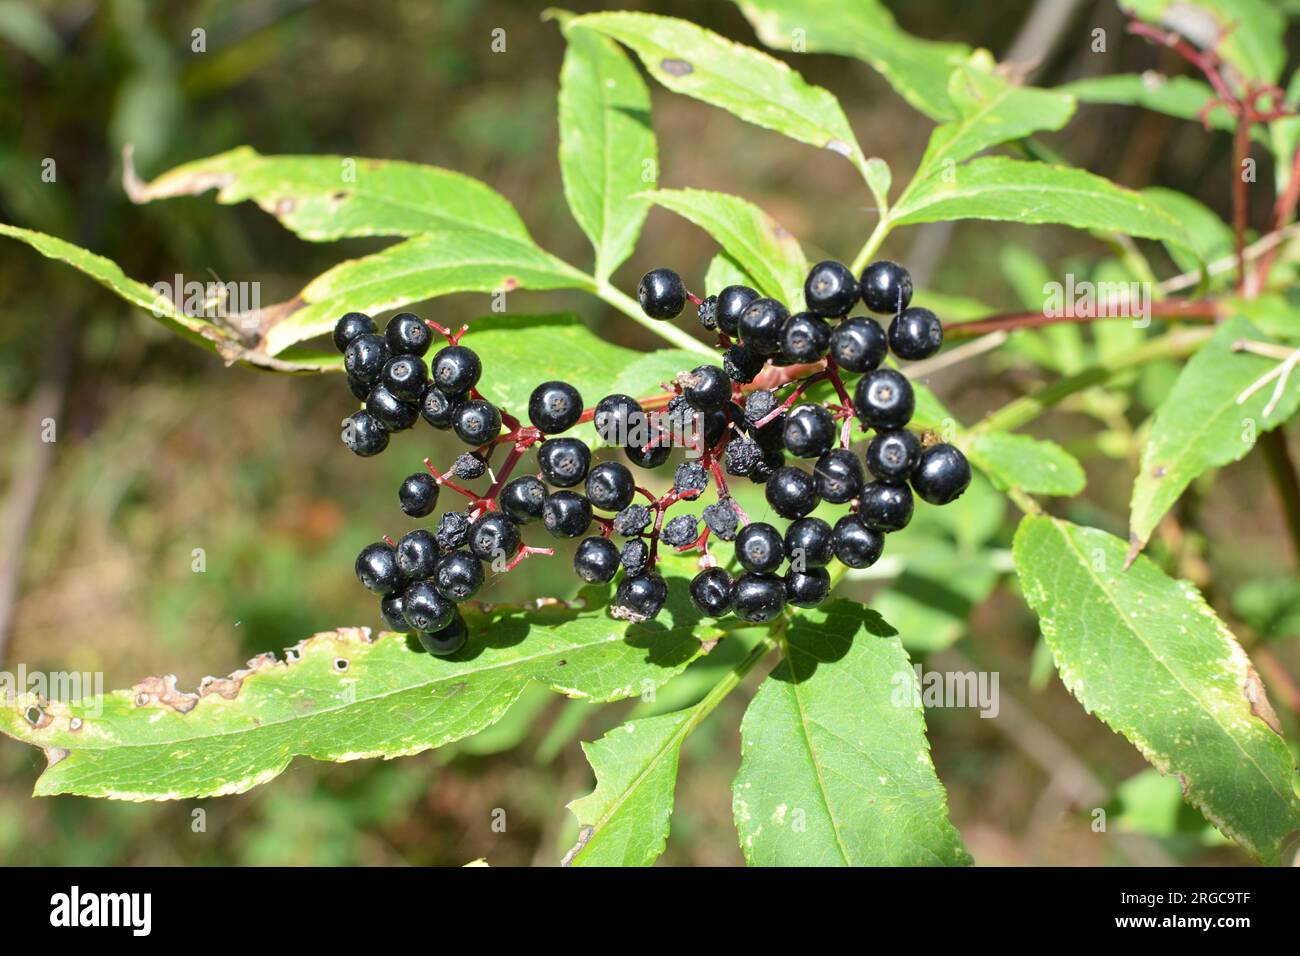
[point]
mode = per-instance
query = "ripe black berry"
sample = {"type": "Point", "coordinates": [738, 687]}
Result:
{"type": "Point", "coordinates": [632, 520]}
{"type": "Point", "coordinates": [884, 399]}
{"type": "Point", "coordinates": [566, 514]}
{"type": "Point", "coordinates": [759, 547]}
{"type": "Point", "coordinates": [711, 592]}
{"type": "Point", "coordinates": [469, 466]}
{"type": "Point", "coordinates": [741, 364]}
{"type": "Point", "coordinates": [364, 357]}
{"type": "Point", "coordinates": [791, 492]}
{"type": "Point", "coordinates": [661, 294]}
{"type": "Point", "coordinates": [448, 640]}
{"type": "Point", "coordinates": [563, 461]}
{"type": "Point", "coordinates": [453, 530]}
{"type": "Point", "coordinates": [438, 408]}
{"type": "Point", "coordinates": [856, 545]}
{"type": "Point", "coordinates": [941, 475]}
{"type": "Point", "coordinates": [708, 312]}
{"type": "Point", "coordinates": [640, 597]}
{"type": "Point", "coordinates": [886, 287]}
{"type": "Point", "coordinates": [349, 327]}
{"type": "Point", "coordinates": [395, 414]}
{"type": "Point", "coordinates": [596, 560]}
{"type": "Point", "coordinates": [458, 575]}
{"type": "Point", "coordinates": [892, 455]}
{"type": "Point", "coordinates": [680, 531]}
{"type": "Point", "coordinates": [885, 507]}
{"type": "Point", "coordinates": [651, 457]}
{"type": "Point", "coordinates": [554, 407]}
{"type": "Point", "coordinates": [418, 495]}
{"type": "Point", "coordinates": [494, 536]}
{"type": "Point", "coordinates": [721, 519]}
{"type": "Point", "coordinates": [390, 609]}
{"type": "Point", "coordinates": [690, 479]}
{"type": "Point", "coordinates": [732, 302]}
{"type": "Point", "coordinates": [522, 498]}
{"type": "Point", "coordinates": [477, 422]}
{"type": "Point", "coordinates": [805, 338]}
{"type": "Point", "coordinates": [760, 326]}
{"type": "Point", "coordinates": [859, 344]}
{"type": "Point", "coordinates": [807, 588]}
{"type": "Point", "coordinates": [635, 556]}
{"type": "Point", "coordinates": [767, 466]}
{"type": "Point", "coordinates": [456, 369]}
{"type": "Point", "coordinates": [360, 390]}
{"type": "Point", "coordinates": [364, 433]}
{"type": "Point", "coordinates": [742, 455]}
{"type": "Point", "coordinates": [808, 543]}
{"type": "Point", "coordinates": [758, 597]}
{"type": "Point", "coordinates": [377, 569]}
{"type": "Point", "coordinates": [707, 387]}
{"type": "Point", "coordinates": [809, 431]}
{"type": "Point", "coordinates": [406, 334]}
{"type": "Point", "coordinates": [615, 417]}
{"type": "Point", "coordinates": [405, 376]}
{"type": "Point", "coordinates": [916, 334]}
{"type": "Point", "coordinates": [417, 554]}
{"type": "Point", "coordinates": [425, 609]}
{"type": "Point", "coordinates": [610, 486]}
{"type": "Point", "coordinates": [837, 476]}
{"type": "Point", "coordinates": [830, 289]}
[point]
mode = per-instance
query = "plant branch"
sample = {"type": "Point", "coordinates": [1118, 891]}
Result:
{"type": "Point", "coordinates": [871, 246]}
{"type": "Point", "coordinates": [1173, 310]}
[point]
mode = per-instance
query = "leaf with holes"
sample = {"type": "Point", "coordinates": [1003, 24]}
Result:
{"type": "Point", "coordinates": [1147, 655]}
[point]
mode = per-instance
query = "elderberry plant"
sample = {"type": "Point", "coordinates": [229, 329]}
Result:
{"type": "Point", "coordinates": [747, 489]}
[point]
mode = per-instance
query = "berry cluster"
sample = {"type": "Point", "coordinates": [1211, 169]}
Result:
{"type": "Point", "coordinates": [731, 419]}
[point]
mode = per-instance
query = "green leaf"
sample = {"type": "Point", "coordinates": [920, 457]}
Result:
{"type": "Point", "coordinates": [917, 69]}
{"type": "Point", "coordinates": [724, 271]}
{"type": "Point", "coordinates": [930, 603]}
{"type": "Point", "coordinates": [835, 767]}
{"type": "Point", "coordinates": [1200, 425]}
{"type": "Point", "coordinates": [1057, 347]}
{"type": "Point", "coordinates": [426, 266]}
{"type": "Point", "coordinates": [1179, 96]}
{"type": "Point", "coordinates": [607, 145]}
{"type": "Point", "coordinates": [322, 198]}
{"type": "Point", "coordinates": [747, 234]}
{"type": "Point", "coordinates": [1147, 655]}
{"type": "Point", "coordinates": [341, 696]}
{"type": "Point", "coordinates": [1207, 239]}
{"type": "Point", "coordinates": [624, 821]}
{"type": "Point", "coordinates": [1031, 464]}
{"type": "Point", "coordinates": [1248, 34]}
{"type": "Point", "coordinates": [757, 88]}
{"type": "Point", "coordinates": [1009, 190]}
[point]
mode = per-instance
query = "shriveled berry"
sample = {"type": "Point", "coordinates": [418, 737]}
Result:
{"type": "Point", "coordinates": [941, 475]}
{"type": "Point", "coordinates": [640, 597]}
{"type": "Point", "coordinates": [453, 530]}
{"type": "Point", "coordinates": [742, 364]}
{"type": "Point", "coordinates": [708, 312]}
{"type": "Point", "coordinates": [469, 466]}
{"type": "Point", "coordinates": [352, 325]}
{"type": "Point", "coordinates": [406, 377]}
{"type": "Point", "coordinates": [566, 514]}
{"type": "Point", "coordinates": [377, 569]}
{"type": "Point", "coordinates": [610, 486]}
{"type": "Point", "coordinates": [690, 479]}
{"type": "Point", "coordinates": [458, 575]}
{"type": "Point", "coordinates": [721, 519]}
{"type": "Point", "coordinates": [916, 334]}
{"type": "Point", "coordinates": [830, 289]}
{"type": "Point", "coordinates": [706, 387]}
{"type": "Point", "coordinates": [759, 547]}
{"type": "Point", "coordinates": [892, 455]}
{"type": "Point", "coordinates": [742, 455]}
{"type": "Point", "coordinates": [635, 556]}
{"type": "Point", "coordinates": [417, 554]}
{"type": "Point", "coordinates": [365, 356]}
{"type": "Point", "coordinates": [809, 431]}
{"type": "Point", "coordinates": [448, 640]}
{"type": "Point", "coordinates": [563, 461]}
{"type": "Point", "coordinates": [807, 588]}
{"type": "Point", "coordinates": [438, 408]}
{"type": "Point", "coordinates": [791, 492]}
{"type": "Point", "coordinates": [554, 407]}
{"type": "Point", "coordinates": [418, 494]}
{"type": "Point", "coordinates": [596, 560]}
{"type": "Point", "coordinates": [711, 592]}
{"type": "Point", "coordinates": [884, 400]}
{"type": "Point", "coordinates": [407, 334]}
{"type": "Point", "coordinates": [886, 287]}
{"type": "Point", "coordinates": [808, 543]}
{"type": "Point", "coordinates": [494, 536]}
{"type": "Point", "coordinates": [758, 597]}
{"type": "Point", "coordinates": [390, 609]}
{"type": "Point", "coordinates": [632, 520]}
{"type": "Point", "coordinates": [856, 545]}
{"type": "Point", "coordinates": [859, 344]}
{"type": "Point", "coordinates": [680, 531]}
{"type": "Point", "coordinates": [838, 476]}
{"type": "Point", "coordinates": [425, 609]}
{"type": "Point", "coordinates": [805, 338]}
{"type": "Point", "coordinates": [760, 326]}
{"type": "Point", "coordinates": [395, 414]}
{"type": "Point", "coordinates": [477, 422]}
{"type": "Point", "coordinates": [522, 498]}
{"type": "Point", "coordinates": [885, 507]}
{"type": "Point", "coordinates": [661, 294]}
{"type": "Point", "coordinates": [732, 302]}
{"type": "Point", "coordinates": [364, 433]}
{"type": "Point", "coordinates": [456, 369]}
{"type": "Point", "coordinates": [616, 416]}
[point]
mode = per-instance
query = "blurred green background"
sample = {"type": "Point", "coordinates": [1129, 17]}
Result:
{"type": "Point", "coordinates": [161, 450]}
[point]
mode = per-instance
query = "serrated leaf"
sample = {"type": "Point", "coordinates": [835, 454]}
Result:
{"type": "Point", "coordinates": [1200, 424]}
{"type": "Point", "coordinates": [747, 234]}
{"type": "Point", "coordinates": [606, 145]}
{"type": "Point", "coordinates": [1208, 237]}
{"type": "Point", "coordinates": [343, 697]}
{"type": "Point", "coordinates": [1179, 96]}
{"type": "Point", "coordinates": [1010, 190]}
{"type": "Point", "coordinates": [624, 821]}
{"type": "Point", "coordinates": [1248, 34]}
{"type": "Point", "coordinates": [1033, 465]}
{"type": "Point", "coordinates": [751, 85]}
{"type": "Point", "coordinates": [835, 766]}
{"type": "Point", "coordinates": [323, 198]}
{"type": "Point", "coordinates": [917, 69]}
{"type": "Point", "coordinates": [1148, 656]}
{"type": "Point", "coordinates": [417, 269]}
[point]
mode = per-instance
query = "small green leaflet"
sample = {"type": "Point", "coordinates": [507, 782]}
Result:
{"type": "Point", "coordinates": [835, 767]}
{"type": "Point", "coordinates": [607, 145]}
{"type": "Point", "coordinates": [1200, 425]}
{"type": "Point", "coordinates": [1033, 465]}
{"type": "Point", "coordinates": [757, 88]}
{"type": "Point", "coordinates": [342, 696]}
{"type": "Point", "coordinates": [747, 234]}
{"type": "Point", "coordinates": [918, 69]}
{"type": "Point", "coordinates": [1248, 34]}
{"type": "Point", "coordinates": [1147, 655]}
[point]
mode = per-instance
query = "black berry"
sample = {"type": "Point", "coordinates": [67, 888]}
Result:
{"type": "Point", "coordinates": [884, 400]}
{"type": "Point", "coordinates": [453, 530]}
{"type": "Point", "coordinates": [651, 457]}
{"type": "Point", "coordinates": [349, 327]}
{"type": "Point", "coordinates": [640, 598]}
{"type": "Point", "coordinates": [791, 492]}
{"type": "Point", "coordinates": [635, 556]}
{"type": "Point", "coordinates": [758, 597]}
{"type": "Point", "coordinates": [680, 531]}
{"type": "Point", "coordinates": [425, 609]}
{"type": "Point", "coordinates": [708, 312]}
{"type": "Point", "coordinates": [732, 302]}
{"type": "Point", "coordinates": [916, 334]}
{"type": "Point", "coordinates": [438, 408]}
{"type": "Point", "coordinates": [377, 569]}
{"type": "Point", "coordinates": [395, 414]}
{"type": "Point", "coordinates": [856, 545]}
{"type": "Point", "coordinates": [554, 407]}
{"type": "Point", "coordinates": [690, 479]}
{"type": "Point", "coordinates": [885, 507]}
{"type": "Point", "coordinates": [759, 547]}
{"type": "Point", "coordinates": [707, 387]}
{"type": "Point", "coordinates": [469, 466]}
{"type": "Point", "coordinates": [566, 514]}
{"type": "Point", "coordinates": [616, 416]}
{"type": "Point", "coordinates": [418, 495]}
{"type": "Point", "coordinates": [360, 390]}
{"type": "Point", "coordinates": [456, 369]}
{"type": "Point", "coordinates": [661, 294]}
{"type": "Point", "coordinates": [417, 554]}
{"type": "Point", "coordinates": [886, 287]}
{"type": "Point", "coordinates": [522, 498]}
{"type": "Point", "coordinates": [596, 560]}
{"type": "Point", "coordinates": [767, 466]}
{"type": "Point", "coordinates": [859, 344]}
{"type": "Point", "coordinates": [610, 486]}
{"type": "Point", "coordinates": [494, 536]}
{"type": "Point", "coordinates": [830, 289]}
{"type": "Point", "coordinates": [406, 334]}
{"type": "Point", "coordinates": [742, 455]}
{"type": "Point", "coordinates": [405, 376]}
{"type": "Point", "coordinates": [711, 592]}
{"type": "Point", "coordinates": [364, 433]}
{"type": "Point", "coordinates": [722, 520]}
{"type": "Point", "coordinates": [448, 640]}
{"type": "Point", "coordinates": [808, 543]}
{"type": "Point", "coordinates": [390, 609]}
{"type": "Point", "coordinates": [809, 431]}
{"type": "Point", "coordinates": [807, 588]}
{"type": "Point", "coordinates": [760, 326]}
{"type": "Point", "coordinates": [892, 455]}
{"type": "Point", "coordinates": [563, 461]}
{"type": "Point", "coordinates": [941, 475]}
{"type": "Point", "coordinates": [364, 357]}
{"type": "Point", "coordinates": [458, 575]}
{"type": "Point", "coordinates": [742, 364]}
{"type": "Point", "coordinates": [838, 476]}
{"type": "Point", "coordinates": [477, 422]}
{"type": "Point", "coordinates": [632, 520]}
{"type": "Point", "coordinates": [805, 338]}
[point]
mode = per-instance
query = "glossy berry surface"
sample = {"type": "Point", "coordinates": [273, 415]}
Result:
{"type": "Point", "coordinates": [711, 592]}
{"type": "Point", "coordinates": [417, 554]}
{"type": "Point", "coordinates": [438, 408]}
{"type": "Point", "coordinates": [885, 507]}
{"type": "Point", "coordinates": [596, 560]}
{"type": "Point", "coordinates": [364, 434]}
{"type": "Point", "coordinates": [358, 388]}
{"type": "Point", "coordinates": [563, 461]}
{"type": "Point", "coordinates": [808, 543]}
{"type": "Point", "coordinates": [406, 334]}
{"type": "Point", "coordinates": [554, 407]}
{"type": "Point", "coordinates": [916, 334]}
{"type": "Point", "coordinates": [758, 597]}
{"type": "Point", "coordinates": [456, 369]}
{"type": "Point", "coordinates": [418, 495]}
{"type": "Point", "coordinates": [406, 377]}
{"type": "Point", "coordinates": [390, 609]}
{"type": "Point", "coordinates": [805, 338]}
{"type": "Point", "coordinates": [448, 640]}
{"type": "Point", "coordinates": [732, 302]}
{"type": "Point", "coordinates": [707, 387]}
{"type": "Point", "coordinates": [809, 431]}
{"type": "Point", "coordinates": [640, 597]}
{"type": "Point", "coordinates": [941, 475]}
{"type": "Point", "coordinates": [884, 399]}
{"type": "Point", "coordinates": [791, 493]}
{"type": "Point", "coordinates": [610, 486]}
{"type": "Point", "coordinates": [807, 588]}
{"type": "Point", "coordinates": [648, 458]}
{"type": "Point", "coordinates": [759, 547]}
{"type": "Point", "coordinates": [566, 514]}
{"type": "Point", "coordinates": [886, 287]}
{"type": "Point", "coordinates": [494, 536]}
{"type": "Point", "coordinates": [838, 476]}
{"type": "Point", "coordinates": [855, 545]}
{"type": "Point", "coordinates": [892, 455]}
{"type": "Point", "coordinates": [661, 294]}
{"type": "Point", "coordinates": [349, 327]}
{"type": "Point", "coordinates": [859, 344]}
{"type": "Point", "coordinates": [395, 414]}
{"type": "Point", "coordinates": [377, 569]}
{"type": "Point", "coordinates": [364, 358]}
{"type": "Point", "coordinates": [425, 608]}
{"type": "Point", "coordinates": [523, 498]}
{"type": "Point", "coordinates": [458, 575]}
{"type": "Point", "coordinates": [616, 416]}
{"type": "Point", "coordinates": [477, 422]}
{"type": "Point", "coordinates": [742, 364]}
{"type": "Point", "coordinates": [760, 326]}
{"type": "Point", "coordinates": [830, 289]}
